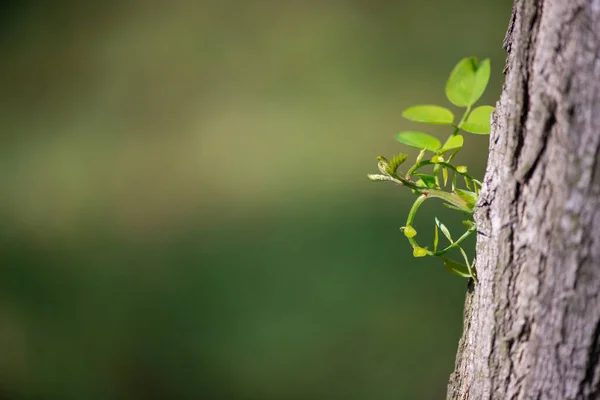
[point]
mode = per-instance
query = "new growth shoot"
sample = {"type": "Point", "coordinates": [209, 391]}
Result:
{"type": "Point", "coordinates": [464, 87]}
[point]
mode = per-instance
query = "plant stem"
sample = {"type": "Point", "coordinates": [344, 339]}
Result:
{"type": "Point", "coordinates": [411, 216]}
{"type": "Point", "coordinates": [451, 198]}
{"type": "Point", "coordinates": [469, 266]}
{"type": "Point", "coordinates": [456, 130]}
{"type": "Point", "coordinates": [409, 222]}
{"type": "Point", "coordinates": [462, 120]}
{"type": "Point", "coordinates": [415, 167]}
{"type": "Point", "coordinates": [454, 244]}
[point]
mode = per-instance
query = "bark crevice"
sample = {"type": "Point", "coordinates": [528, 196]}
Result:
{"type": "Point", "coordinates": [589, 383]}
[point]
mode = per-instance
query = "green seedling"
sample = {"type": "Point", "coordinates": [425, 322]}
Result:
{"type": "Point", "coordinates": [464, 87]}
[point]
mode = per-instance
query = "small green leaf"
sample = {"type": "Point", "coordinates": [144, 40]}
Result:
{"type": "Point", "coordinates": [396, 161]}
{"type": "Point", "coordinates": [453, 181]}
{"type": "Point", "coordinates": [482, 77]}
{"type": "Point", "coordinates": [469, 265]}
{"type": "Point", "coordinates": [444, 230]}
{"type": "Point", "coordinates": [479, 121]}
{"type": "Point", "coordinates": [467, 81]}
{"type": "Point", "coordinates": [445, 175]}
{"type": "Point", "coordinates": [419, 140]}
{"type": "Point", "coordinates": [467, 195]}
{"type": "Point", "coordinates": [436, 238]}
{"type": "Point", "coordinates": [462, 169]}
{"type": "Point", "coordinates": [429, 114]}
{"type": "Point", "coordinates": [383, 165]}
{"type": "Point", "coordinates": [453, 142]}
{"type": "Point", "coordinates": [456, 268]}
{"type": "Point", "coordinates": [428, 180]}
{"type": "Point", "coordinates": [467, 182]}
{"type": "Point", "coordinates": [451, 206]}
{"type": "Point", "coordinates": [459, 87]}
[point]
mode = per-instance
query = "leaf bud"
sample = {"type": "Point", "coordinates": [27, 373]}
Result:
{"type": "Point", "coordinates": [419, 251]}
{"type": "Point", "coordinates": [409, 231]}
{"type": "Point", "coordinates": [383, 165]}
{"type": "Point", "coordinates": [378, 178]}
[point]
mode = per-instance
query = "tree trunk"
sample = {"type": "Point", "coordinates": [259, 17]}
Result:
{"type": "Point", "coordinates": [532, 324]}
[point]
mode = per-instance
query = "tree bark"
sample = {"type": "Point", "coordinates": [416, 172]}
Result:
{"type": "Point", "coordinates": [532, 323]}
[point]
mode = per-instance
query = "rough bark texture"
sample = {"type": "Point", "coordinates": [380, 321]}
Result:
{"type": "Point", "coordinates": [532, 324]}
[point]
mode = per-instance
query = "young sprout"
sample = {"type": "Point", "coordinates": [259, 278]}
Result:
{"type": "Point", "coordinates": [464, 87]}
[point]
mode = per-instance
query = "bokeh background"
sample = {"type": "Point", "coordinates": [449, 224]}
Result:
{"type": "Point", "coordinates": [185, 212]}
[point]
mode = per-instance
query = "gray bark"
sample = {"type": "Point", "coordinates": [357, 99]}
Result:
{"type": "Point", "coordinates": [532, 324]}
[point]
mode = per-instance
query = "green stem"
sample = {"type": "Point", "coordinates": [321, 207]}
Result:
{"type": "Point", "coordinates": [414, 208]}
{"type": "Point", "coordinates": [454, 244]}
{"type": "Point", "coordinates": [409, 222]}
{"type": "Point", "coordinates": [454, 154]}
{"type": "Point", "coordinates": [436, 168]}
{"type": "Point", "coordinates": [422, 164]}
{"type": "Point", "coordinates": [411, 215]}
{"type": "Point", "coordinates": [451, 198]}
{"type": "Point", "coordinates": [456, 130]}
{"type": "Point", "coordinates": [403, 181]}
{"type": "Point", "coordinates": [436, 174]}
{"type": "Point", "coordinates": [462, 120]}
{"type": "Point", "coordinates": [469, 266]}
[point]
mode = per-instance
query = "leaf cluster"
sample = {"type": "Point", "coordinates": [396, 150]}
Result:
{"type": "Point", "coordinates": [465, 86]}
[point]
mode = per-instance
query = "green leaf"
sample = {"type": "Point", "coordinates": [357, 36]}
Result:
{"type": "Point", "coordinates": [459, 87]}
{"type": "Point", "coordinates": [419, 140]}
{"type": "Point", "coordinates": [467, 81]}
{"type": "Point", "coordinates": [452, 207]}
{"type": "Point", "coordinates": [467, 195]}
{"type": "Point", "coordinates": [467, 182]}
{"type": "Point", "coordinates": [482, 77]}
{"type": "Point", "coordinates": [396, 161]}
{"type": "Point", "coordinates": [469, 266]}
{"type": "Point", "coordinates": [453, 142]}
{"type": "Point", "coordinates": [479, 121]}
{"type": "Point", "coordinates": [445, 175]}
{"type": "Point", "coordinates": [444, 230]}
{"type": "Point", "coordinates": [429, 114]}
{"type": "Point", "coordinates": [453, 181]}
{"type": "Point", "coordinates": [428, 180]}
{"type": "Point", "coordinates": [436, 238]}
{"type": "Point", "coordinates": [383, 165]}
{"type": "Point", "coordinates": [456, 268]}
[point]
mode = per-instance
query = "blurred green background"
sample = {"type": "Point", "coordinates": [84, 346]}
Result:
{"type": "Point", "coordinates": [185, 210]}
